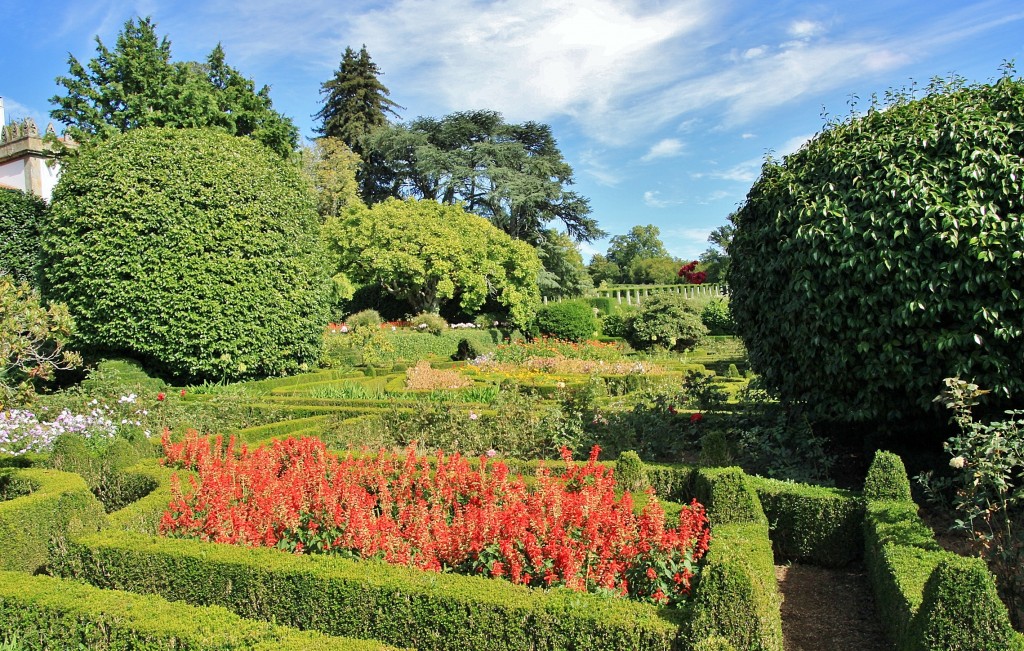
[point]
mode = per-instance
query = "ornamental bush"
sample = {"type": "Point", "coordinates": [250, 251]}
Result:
{"type": "Point", "coordinates": [568, 320]}
{"type": "Point", "coordinates": [886, 255]}
{"type": "Point", "coordinates": [666, 321]}
{"type": "Point", "coordinates": [193, 250]}
{"type": "Point", "coordinates": [20, 215]}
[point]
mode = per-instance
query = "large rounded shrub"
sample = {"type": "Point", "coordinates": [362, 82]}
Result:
{"type": "Point", "coordinates": [888, 254]}
{"type": "Point", "coordinates": [668, 321]}
{"type": "Point", "coordinates": [20, 215]}
{"type": "Point", "coordinates": [193, 250]}
{"type": "Point", "coordinates": [568, 320]}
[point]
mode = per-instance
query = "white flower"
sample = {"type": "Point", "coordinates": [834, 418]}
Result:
{"type": "Point", "coordinates": [492, 453]}
{"type": "Point", "coordinates": [957, 462]}
{"type": "Point", "coordinates": [473, 415]}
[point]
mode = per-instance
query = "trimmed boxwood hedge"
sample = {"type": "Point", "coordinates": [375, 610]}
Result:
{"type": "Point", "coordinates": [49, 613]}
{"type": "Point", "coordinates": [366, 599]}
{"type": "Point", "coordinates": [928, 599]}
{"type": "Point", "coordinates": [812, 524]}
{"type": "Point", "coordinates": [60, 506]}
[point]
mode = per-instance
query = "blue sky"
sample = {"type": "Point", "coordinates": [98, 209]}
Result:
{"type": "Point", "coordinates": [664, 108]}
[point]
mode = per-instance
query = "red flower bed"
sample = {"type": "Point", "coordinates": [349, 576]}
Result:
{"type": "Point", "coordinates": [441, 515]}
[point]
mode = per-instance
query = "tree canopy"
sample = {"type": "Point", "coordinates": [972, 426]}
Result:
{"type": "Point", "coordinates": [512, 174]}
{"type": "Point", "coordinates": [190, 249]}
{"type": "Point", "coordinates": [137, 85]}
{"type": "Point", "coordinates": [428, 253]}
{"type": "Point", "coordinates": [885, 256]}
{"type": "Point", "coordinates": [355, 102]}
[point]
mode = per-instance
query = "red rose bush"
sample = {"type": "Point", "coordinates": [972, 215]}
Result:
{"type": "Point", "coordinates": [440, 514]}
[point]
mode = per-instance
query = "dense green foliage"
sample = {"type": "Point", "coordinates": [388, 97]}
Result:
{"type": "Point", "coordinates": [20, 216]}
{"type": "Point", "coordinates": [512, 174]}
{"type": "Point", "coordinates": [667, 321]}
{"type": "Point", "coordinates": [60, 507]}
{"type": "Point", "coordinates": [563, 275]}
{"type": "Point", "coordinates": [887, 478]}
{"type": "Point", "coordinates": [429, 253]}
{"type": "Point", "coordinates": [401, 606]}
{"type": "Point", "coordinates": [886, 255]}
{"type": "Point", "coordinates": [568, 320]}
{"type": "Point", "coordinates": [69, 615]}
{"type": "Point", "coordinates": [194, 250]}
{"type": "Point", "coordinates": [716, 317]}
{"type": "Point", "coordinates": [355, 102]}
{"type": "Point", "coordinates": [136, 85]}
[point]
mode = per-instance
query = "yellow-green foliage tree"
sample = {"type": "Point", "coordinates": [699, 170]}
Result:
{"type": "Point", "coordinates": [429, 253]}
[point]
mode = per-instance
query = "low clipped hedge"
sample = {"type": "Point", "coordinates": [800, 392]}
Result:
{"type": "Point", "coordinates": [411, 346]}
{"type": "Point", "coordinates": [59, 506]}
{"type": "Point", "coordinates": [812, 524]}
{"type": "Point", "coordinates": [928, 599]}
{"type": "Point", "coordinates": [736, 601]}
{"type": "Point", "coordinates": [366, 599]}
{"type": "Point", "coordinates": [47, 613]}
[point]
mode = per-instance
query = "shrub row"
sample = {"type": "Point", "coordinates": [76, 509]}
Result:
{"type": "Point", "coordinates": [928, 599]}
{"type": "Point", "coordinates": [736, 603]}
{"type": "Point", "coordinates": [59, 506]}
{"type": "Point", "coordinates": [47, 613]}
{"type": "Point", "coordinates": [366, 599]}
{"type": "Point", "coordinates": [411, 346]}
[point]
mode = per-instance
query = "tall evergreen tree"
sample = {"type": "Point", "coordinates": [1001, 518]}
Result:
{"type": "Point", "coordinates": [355, 101]}
{"type": "Point", "coordinates": [137, 85]}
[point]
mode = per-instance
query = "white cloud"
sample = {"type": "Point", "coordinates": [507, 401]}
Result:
{"type": "Point", "coordinates": [793, 144]}
{"type": "Point", "coordinates": [667, 148]}
{"type": "Point", "coordinates": [652, 199]}
{"type": "Point", "coordinates": [755, 52]}
{"type": "Point", "coordinates": [745, 172]}
{"type": "Point", "coordinates": [594, 165]}
{"type": "Point", "coordinates": [805, 29]}
{"type": "Point", "coordinates": [748, 136]}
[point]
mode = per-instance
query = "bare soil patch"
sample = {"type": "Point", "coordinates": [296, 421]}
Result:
{"type": "Point", "coordinates": [826, 609]}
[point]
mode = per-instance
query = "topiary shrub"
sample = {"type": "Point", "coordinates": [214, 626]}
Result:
{"type": "Point", "coordinates": [885, 255]}
{"type": "Point", "coordinates": [960, 609]}
{"type": "Point", "coordinates": [716, 318]}
{"type": "Point", "coordinates": [568, 320]}
{"type": "Point", "coordinates": [193, 250]}
{"type": "Point", "coordinates": [615, 325]}
{"type": "Point", "coordinates": [630, 473]}
{"type": "Point", "coordinates": [20, 216]}
{"type": "Point", "coordinates": [429, 322]}
{"type": "Point", "coordinates": [665, 321]}
{"type": "Point", "coordinates": [887, 478]}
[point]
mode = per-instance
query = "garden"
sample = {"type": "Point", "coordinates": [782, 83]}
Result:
{"type": "Point", "coordinates": [244, 407]}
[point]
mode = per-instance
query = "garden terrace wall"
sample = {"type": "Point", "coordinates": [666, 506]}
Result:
{"type": "Point", "coordinates": [928, 599]}
{"type": "Point", "coordinates": [53, 613]}
{"type": "Point", "coordinates": [366, 599]}
{"type": "Point", "coordinates": [60, 506]}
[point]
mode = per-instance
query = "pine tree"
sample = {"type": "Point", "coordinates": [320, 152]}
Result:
{"type": "Point", "coordinates": [355, 101]}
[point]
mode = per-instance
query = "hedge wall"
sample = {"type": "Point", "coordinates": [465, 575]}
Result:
{"type": "Point", "coordinates": [42, 612]}
{"type": "Point", "coordinates": [928, 599]}
{"type": "Point", "coordinates": [366, 599]}
{"type": "Point", "coordinates": [61, 506]}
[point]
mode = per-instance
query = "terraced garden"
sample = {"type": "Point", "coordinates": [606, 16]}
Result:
{"type": "Point", "coordinates": [113, 546]}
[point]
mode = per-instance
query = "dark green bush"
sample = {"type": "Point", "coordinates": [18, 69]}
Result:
{"type": "Point", "coordinates": [615, 325]}
{"type": "Point", "coordinates": [568, 320]}
{"type": "Point", "coordinates": [667, 321]}
{"type": "Point", "coordinates": [20, 216]}
{"type": "Point", "coordinates": [885, 255]}
{"type": "Point", "coordinates": [193, 250]}
{"type": "Point", "coordinates": [727, 496]}
{"type": "Point", "coordinates": [603, 304]}
{"type": "Point", "coordinates": [887, 478]}
{"type": "Point", "coordinates": [467, 350]}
